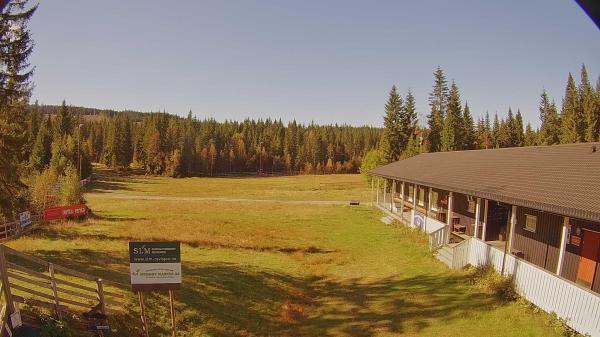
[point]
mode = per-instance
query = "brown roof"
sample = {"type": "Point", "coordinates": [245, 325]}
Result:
{"type": "Point", "coordinates": [562, 179]}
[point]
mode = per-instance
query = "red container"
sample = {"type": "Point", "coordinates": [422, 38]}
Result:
{"type": "Point", "coordinates": [65, 212]}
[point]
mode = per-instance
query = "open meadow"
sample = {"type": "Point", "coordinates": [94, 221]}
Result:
{"type": "Point", "coordinates": [277, 256]}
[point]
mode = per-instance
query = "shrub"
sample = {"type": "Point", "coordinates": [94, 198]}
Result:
{"type": "Point", "coordinates": [70, 188]}
{"type": "Point", "coordinates": [487, 279]}
{"type": "Point", "coordinates": [43, 185]}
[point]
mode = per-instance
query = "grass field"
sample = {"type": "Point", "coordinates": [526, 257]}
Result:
{"type": "Point", "coordinates": [256, 266]}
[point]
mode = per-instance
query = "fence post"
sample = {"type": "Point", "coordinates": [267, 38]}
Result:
{"type": "Point", "coordinates": [10, 305]}
{"type": "Point", "coordinates": [101, 296]}
{"type": "Point", "coordinates": [54, 291]}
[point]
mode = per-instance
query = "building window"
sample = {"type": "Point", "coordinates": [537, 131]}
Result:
{"type": "Point", "coordinates": [421, 197]}
{"type": "Point", "coordinates": [411, 191]}
{"type": "Point", "coordinates": [530, 222]}
{"type": "Point", "coordinates": [434, 200]}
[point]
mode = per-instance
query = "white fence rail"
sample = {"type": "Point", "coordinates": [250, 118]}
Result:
{"type": "Point", "coordinates": [580, 307]}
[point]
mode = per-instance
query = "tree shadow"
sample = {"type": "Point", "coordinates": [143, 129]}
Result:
{"type": "Point", "coordinates": [224, 299]}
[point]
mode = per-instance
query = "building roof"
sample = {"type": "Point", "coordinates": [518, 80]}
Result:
{"type": "Point", "coordinates": [562, 179]}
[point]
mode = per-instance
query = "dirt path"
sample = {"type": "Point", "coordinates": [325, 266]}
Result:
{"type": "Point", "coordinates": [221, 199]}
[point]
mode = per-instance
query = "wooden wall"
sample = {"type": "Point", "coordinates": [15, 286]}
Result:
{"type": "Point", "coordinates": [542, 246]}
{"type": "Point", "coordinates": [461, 209]}
{"type": "Point", "coordinates": [575, 223]}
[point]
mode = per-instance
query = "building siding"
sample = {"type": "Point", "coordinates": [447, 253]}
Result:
{"type": "Point", "coordinates": [542, 246]}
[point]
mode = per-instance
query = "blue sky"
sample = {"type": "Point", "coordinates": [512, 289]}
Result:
{"type": "Point", "coordinates": [327, 61]}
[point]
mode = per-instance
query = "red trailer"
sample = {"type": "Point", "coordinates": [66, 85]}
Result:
{"type": "Point", "coordinates": [65, 212]}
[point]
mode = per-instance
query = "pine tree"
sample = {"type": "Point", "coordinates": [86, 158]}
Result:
{"type": "Point", "coordinates": [15, 88]}
{"type": "Point", "coordinates": [496, 131]}
{"type": "Point", "coordinates": [550, 127]}
{"type": "Point", "coordinates": [438, 101]}
{"type": "Point", "coordinates": [519, 135]}
{"type": "Point", "coordinates": [588, 107]}
{"type": "Point", "coordinates": [571, 120]}
{"type": "Point", "coordinates": [391, 139]}
{"type": "Point", "coordinates": [469, 136]}
{"type": "Point", "coordinates": [452, 132]}
{"type": "Point", "coordinates": [510, 130]}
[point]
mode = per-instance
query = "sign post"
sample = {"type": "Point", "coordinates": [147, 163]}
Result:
{"type": "Point", "coordinates": [155, 266]}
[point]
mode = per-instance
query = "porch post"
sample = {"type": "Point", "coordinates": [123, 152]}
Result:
{"type": "Point", "coordinates": [414, 209]}
{"type": "Point", "coordinates": [402, 199]}
{"type": "Point", "coordinates": [372, 189]}
{"type": "Point", "coordinates": [449, 217]}
{"type": "Point", "coordinates": [428, 208]}
{"type": "Point", "coordinates": [477, 215]}
{"type": "Point", "coordinates": [377, 195]}
{"type": "Point", "coordinates": [384, 190]}
{"type": "Point", "coordinates": [563, 245]}
{"type": "Point", "coordinates": [513, 222]}
{"type": "Point", "coordinates": [485, 216]}
{"type": "Point", "coordinates": [392, 195]}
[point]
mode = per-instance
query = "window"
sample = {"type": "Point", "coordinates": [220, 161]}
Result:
{"type": "Point", "coordinates": [434, 200]}
{"type": "Point", "coordinates": [421, 197]}
{"type": "Point", "coordinates": [530, 222]}
{"type": "Point", "coordinates": [411, 191]}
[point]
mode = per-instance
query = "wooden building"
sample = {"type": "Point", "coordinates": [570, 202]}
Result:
{"type": "Point", "coordinates": [538, 204]}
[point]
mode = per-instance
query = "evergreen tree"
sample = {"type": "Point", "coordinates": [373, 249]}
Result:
{"type": "Point", "coordinates": [531, 137]}
{"type": "Point", "coordinates": [519, 135]}
{"type": "Point", "coordinates": [510, 130]}
{"type": "Point", "coordinates": [15, 88]}
{"type": "Point", "coordinates": [391, 139]}
{"type": "Point", "coordinates": [469, 136]}
{"type": "Point", "coordinates": [452, 132]}
{"type": "Point", "coordinates": [550, 127]}
{"type": "Point", "coordinates": [64, 120]}
{"type": "Point", "coordinates": [413, 148]}
{"type": "Point", "coordinates": [571, 130]}
{"type": "Point", "coordinates": [438, 101]}
{"type": "Point", "coordinates": [41, 151]}
{"type": "Point", "coordinates": [496, 130]}
{"type": "Point", "coordinates": [408, 120]}
{"type": "Point", "coordinates": [588, 107]}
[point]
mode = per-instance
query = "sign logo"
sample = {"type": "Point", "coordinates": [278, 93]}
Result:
{"type": "Point", "coordinates": [155, 265]}
{"type": "Point", "coordinates": [419, 221]}
{"type": "Point", "coordinates": [25, 219]}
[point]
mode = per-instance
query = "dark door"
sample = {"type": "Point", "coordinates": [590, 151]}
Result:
{"type": "Point", "coordinates": [588, 258]}
{"type": "Point", "coordinates": [498, 214]}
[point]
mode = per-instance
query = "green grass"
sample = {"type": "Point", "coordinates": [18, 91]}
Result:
{"type": "Point", "coordinates": [280, 269]}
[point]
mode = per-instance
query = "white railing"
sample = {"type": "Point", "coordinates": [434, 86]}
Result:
{"type": "Point", "coordinates": [437, 238]}
{"type": "Point", "coordinates": [578, 306]}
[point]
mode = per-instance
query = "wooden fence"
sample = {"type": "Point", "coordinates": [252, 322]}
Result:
{"type": "Point", "coordinates": [578, 306]}
{"type": "Point", "coordinates": [438, 238]}
{"type": "Point", "coordinates": [28, 279]}
{"type": "Point", "coordinates": [12, 229]}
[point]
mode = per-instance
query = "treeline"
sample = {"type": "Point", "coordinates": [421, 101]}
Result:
{"type": "Point", "coordinates": [164, 144]}
{"type": "Point", "coordinates": [450, 124]}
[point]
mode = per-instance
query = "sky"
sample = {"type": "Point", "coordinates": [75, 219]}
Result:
{"type": "Point", "coordinates": [325, 61]}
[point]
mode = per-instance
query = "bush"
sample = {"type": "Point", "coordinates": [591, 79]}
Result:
{"type": "Point", "coordinates": [42, 187]}
{"type": "Point", "coordinates": [487, 279]}
{"type": "Point", "coordinates": [70, 188]}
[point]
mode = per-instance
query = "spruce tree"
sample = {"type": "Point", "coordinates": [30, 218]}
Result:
{"type": "Point", "coordinates": [496, 131]}
{"type": "Point", "coordinates": [408, 119]}
{"type": "Point", "coordinates": [469, 136]}
{"type": "Point", "coordinates": [41, 151]}
{"type": "Point", "coordinates": [588, 107]}
{"type": "Point", "coordinates": [531, 137]}
{"type": "Point", "coordinates": [452, 132]}
{"type": "Point", "coordinates": [15, 88]}
{"type": "Point", "coordinates": [438, 101]}
{"type": "Point", "coordinates": [550, 128]}
{"type": "Point", "coordinates": [519, 132]}
{"type": "Point", "coordinates": [64, 121]}
{"type": "Point", "coordinates": [571, 119]}
{"type": "Point", "coordinates": [391, 139]}
{"type": "Point", "coordinates": [510, 130]}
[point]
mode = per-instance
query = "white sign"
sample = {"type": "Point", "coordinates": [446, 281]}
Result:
{"type": "Point", "coordinates": [25, 219]}
{"type": "Point", "coordinates": [155, 265]}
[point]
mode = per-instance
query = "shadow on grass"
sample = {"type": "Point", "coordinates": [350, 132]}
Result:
{"type": "Point", "coordinates": [221, 299]}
